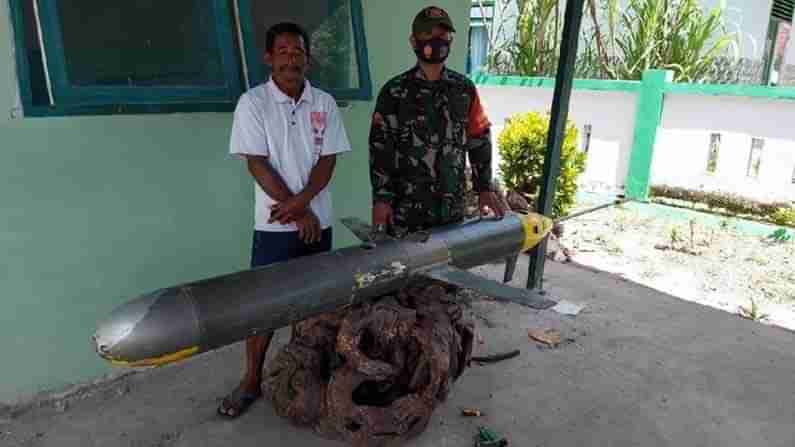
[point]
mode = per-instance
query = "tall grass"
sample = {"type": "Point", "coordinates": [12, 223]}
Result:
{"type": "Point", "coordinates": [621, 43]}
{"type": "Point", "coordinates": [677, 35]}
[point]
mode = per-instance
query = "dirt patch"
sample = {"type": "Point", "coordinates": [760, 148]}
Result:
{"type": "Point", "coordinates": [694, 259]}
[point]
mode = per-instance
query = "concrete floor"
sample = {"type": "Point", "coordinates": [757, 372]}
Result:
{"type": "Point", "coordinates": [640, 368]}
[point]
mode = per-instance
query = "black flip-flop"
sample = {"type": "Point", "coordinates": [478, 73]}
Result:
{"type": "Point", "coordinates": [242, 402]}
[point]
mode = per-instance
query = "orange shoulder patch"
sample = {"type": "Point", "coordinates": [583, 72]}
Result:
{"type": "Point", "coordinates": [478, 120]}
{"type": "Point", "coordinates": [378, 120]}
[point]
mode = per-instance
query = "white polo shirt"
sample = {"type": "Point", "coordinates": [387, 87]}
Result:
{"type": "Point", "coordinates": [293, 135]}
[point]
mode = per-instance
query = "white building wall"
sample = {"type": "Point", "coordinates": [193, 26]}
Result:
{"type": "Point", "coordinates": [682, 149]}
{"type": "Point", "coordinates": [683, 140]}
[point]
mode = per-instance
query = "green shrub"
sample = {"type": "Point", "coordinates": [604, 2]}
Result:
{"type": "Point", "coordinates": [522, 145]}
{"type": "Point", "coordinates": [784, 216]}
{"type": "Point", "coordinates": [777, 212]}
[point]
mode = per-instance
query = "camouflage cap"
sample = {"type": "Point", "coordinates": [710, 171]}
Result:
{"type": "Point", "coordinates": [430, 17]}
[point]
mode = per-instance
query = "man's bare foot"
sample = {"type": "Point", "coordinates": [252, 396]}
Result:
{"type": "Point", "coordinates": [238, 401]}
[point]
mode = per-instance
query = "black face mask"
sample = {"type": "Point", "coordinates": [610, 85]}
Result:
{"type": "Point", "coordinates": [440, 49]}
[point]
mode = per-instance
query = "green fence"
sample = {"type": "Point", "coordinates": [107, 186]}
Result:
{"type": "Point", "coordinates": [651, 91]}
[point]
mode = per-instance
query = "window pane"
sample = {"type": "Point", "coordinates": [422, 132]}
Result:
{"type": "Point", "coordinates": [38, 82]}
{"type": "Point", "coordinates": [330, 29]}
{"type": "Point", "coordinates": [714, 151]}
{"type": "Point", "coordinates": [478, 47]}
{"type": "Point", "coordinates": [140, 43]}
{"type": "Point", "coordinates": [587, 130]}
{"type": "Point", "coordinates": [755, 157]}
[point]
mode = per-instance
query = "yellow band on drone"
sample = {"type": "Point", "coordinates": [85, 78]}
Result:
{"type": "Point", "coordinates": [536, 228]}
{"type": "Point", "coordinates": [159, 361]}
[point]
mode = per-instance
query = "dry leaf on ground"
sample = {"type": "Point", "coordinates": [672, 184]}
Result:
{"type": "Point", "coordinates": [549, 337]}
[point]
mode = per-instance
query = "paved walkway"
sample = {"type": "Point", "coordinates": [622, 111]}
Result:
{"type": "Point", "coordinates": [639, 369]}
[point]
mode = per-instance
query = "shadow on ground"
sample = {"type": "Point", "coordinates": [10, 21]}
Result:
{"type": "Point", "coordinates": [636, 368]}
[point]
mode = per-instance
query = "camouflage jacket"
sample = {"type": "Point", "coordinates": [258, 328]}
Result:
{"type": "Point", "coordinates": [421, 133]}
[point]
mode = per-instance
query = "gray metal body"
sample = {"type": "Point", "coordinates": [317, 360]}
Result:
{"type": "Point", "coordinates": [215, 312]}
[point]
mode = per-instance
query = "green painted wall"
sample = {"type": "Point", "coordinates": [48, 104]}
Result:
{"type": "Point", "coordinates": [647, 122]}
{"type": "Point", "coordinates": [95, 210]}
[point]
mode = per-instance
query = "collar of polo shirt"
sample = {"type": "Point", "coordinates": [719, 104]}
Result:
{"type": "Point", "coordinates": [281, 97]}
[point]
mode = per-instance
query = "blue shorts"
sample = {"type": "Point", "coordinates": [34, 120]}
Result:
{"type": "Point", "coordinates": [269, 247]}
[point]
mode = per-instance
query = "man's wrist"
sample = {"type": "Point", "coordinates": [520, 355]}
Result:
{"type": "Point", "coordinates": [309, 214]}
{"type": "Point", "coordinates": [303, 215]}
{"type": "Point", "coordinates": [304, 197]}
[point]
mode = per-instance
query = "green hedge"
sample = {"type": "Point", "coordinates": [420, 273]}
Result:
{"type": "Point", "coordinates": [779, 213]}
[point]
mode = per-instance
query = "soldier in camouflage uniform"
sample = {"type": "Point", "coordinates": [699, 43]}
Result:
{"type": "Point", "coordinates": [426, 122]}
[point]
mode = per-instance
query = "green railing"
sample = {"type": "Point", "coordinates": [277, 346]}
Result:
{"type": "Point", "coordinates": [579, 84]}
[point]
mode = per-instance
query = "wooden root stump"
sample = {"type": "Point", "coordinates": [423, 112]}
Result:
{"type": "Point", "coordinates": [372, 374]}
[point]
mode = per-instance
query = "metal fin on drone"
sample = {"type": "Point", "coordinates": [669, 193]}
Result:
{"type": "Point", "coordinates": [500, 292]}
{"type": "Point", "coordinates": [361, 229]}
{"type": "Point", "coordinates": [510, 268]}
{"type": "Point", "coordinates": [365, 232]}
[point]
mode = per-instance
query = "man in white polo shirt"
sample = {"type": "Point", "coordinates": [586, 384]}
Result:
{"type": "Point", "coordinates": [289, 133]}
